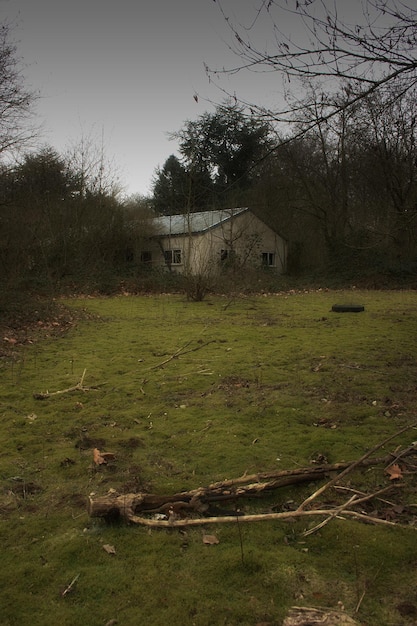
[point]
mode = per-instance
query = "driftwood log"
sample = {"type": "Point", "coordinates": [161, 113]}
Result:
{"type": "Point", "coordinates": [170, 510]}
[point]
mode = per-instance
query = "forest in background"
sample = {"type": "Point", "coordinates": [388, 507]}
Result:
{"type": "Point", "coordinates": [336, 175]}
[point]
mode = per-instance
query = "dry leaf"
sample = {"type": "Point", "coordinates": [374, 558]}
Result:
{"type": "Point", "coordinates": [10, 340]}
{"type": "Point", "coordinates": [98, 459]}
{"type": "Point", "coordinates": [101, 458]}
{"type": "Point", "coordinates": [210, 540]}
{"type": "Point", "coordinates": [109, 549]}
{"type": "Point", "coordinates": [394, 472]}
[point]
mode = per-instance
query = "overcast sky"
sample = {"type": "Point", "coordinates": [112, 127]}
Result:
{"type": "Point", "coordinates": [129, 73]}
{"type": "Point", "coordinates": [119, 70]}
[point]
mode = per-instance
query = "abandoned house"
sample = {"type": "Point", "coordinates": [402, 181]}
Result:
{"type": "Point", "coordinates": [200, 242]}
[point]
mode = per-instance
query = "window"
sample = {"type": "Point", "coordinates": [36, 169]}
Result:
{"type": "Point", "coordinates": [268, 259]}
{"type": "Point", "coordinates": [173, 257]}
{"type": "Point", "coordinates": [146, 258]}
{"type": "Point", "coordinates": [227, 255]}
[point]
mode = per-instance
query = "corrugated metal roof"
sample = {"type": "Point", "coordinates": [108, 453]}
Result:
{"type": "Point", "coordinates": [193, 222]}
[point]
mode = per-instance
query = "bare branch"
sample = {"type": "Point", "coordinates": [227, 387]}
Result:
{"type": "Point", "coordinates": [16, 100]}
{"type": "Point", "coordinates": [370, 53]}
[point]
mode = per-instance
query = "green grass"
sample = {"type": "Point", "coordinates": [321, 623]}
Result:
{"type": "Point", "coordinates": [263, 383]}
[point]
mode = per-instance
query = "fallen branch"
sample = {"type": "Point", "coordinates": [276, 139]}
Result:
{"type": "Point", "coordinates": [285, 516]}
{"type": "Point", "coordinates": [134, 507]}
{"type": "Point", "coordinates": [125, 505]}
{"type": "Point", "coordinates": [78, 387]}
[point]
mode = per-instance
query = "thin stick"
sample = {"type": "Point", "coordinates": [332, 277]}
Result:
{"type": "Point", "coordinates": [365, 497]}
{"type": "Point", "coordinates": [353, 500]}
{"type": "Point", "coordinates": [78, 387]}
{"type": "Point", "coordinates": [375, 495]}
{"type": "Point", "coordinates": [70, 587]}
{"type": "Point", "coordinates": [240, 538]}
{"type": "Point", "coordinates": [170, 358]}
{"type": "Point", "coordinates": [335, 513]}
{"type": "Point", "coordinates": [360, 601]}
{"type": "Point", "coordinates": [182, 351]}
{"type": "Point", "coordinates": [376, 520]}
{"type": "Point", "coordinates": [80, 384]}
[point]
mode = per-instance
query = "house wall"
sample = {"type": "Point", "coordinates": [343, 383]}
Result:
{"type": "Point", "coordinates": [245, 238]}
{"type": "Point", "coordinates": [249, 238]}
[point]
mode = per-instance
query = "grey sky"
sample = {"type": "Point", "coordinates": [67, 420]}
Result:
{"type": "Point", "coordinates": [124, 69]}
{"type": "Point", "coordinates": [128, 71]}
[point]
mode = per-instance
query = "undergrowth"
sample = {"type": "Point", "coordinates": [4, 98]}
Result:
{"type": "Point", "coordinates": [185, 394]}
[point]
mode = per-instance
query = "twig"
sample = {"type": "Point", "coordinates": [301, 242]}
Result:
{"type": "Point", "coordinates": [337, 512]}
{"type": "Point", "coordinates": [170, 358]}
{"type": "Point", "coordinates": [240, 537]}
{"type": "Point", "coordinates": [78, 387]}
{"type": "Point", "coordinates": [70, 587]}
{"type": "Point", "coordinates": [364, 592]}
{"type": "Point", "coordinates": [80, 384]}
{"type": "Point", "coordinates": [352, 500]}
{"type": "Point", "coordinates": [360, 601]}
{"type": "Point", "coordinates": [376, 520]}
{"type": "Point", "coordinates": [365, 497]}
{"type": "Point", "coordinates": [362, 493]}
{"type": "Point", "coordinates": [182, 351]}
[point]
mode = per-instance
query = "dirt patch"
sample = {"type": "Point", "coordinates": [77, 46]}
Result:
{"type": "Point", "coordinates": [231, 383]}
{"type": "Point", "coordinates": [50, 321]}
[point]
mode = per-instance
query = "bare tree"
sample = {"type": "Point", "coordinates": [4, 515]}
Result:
{"type": "Point", "coordinates": [96, 173]}
{"type": "Point", "coordinates": [315, 41]}
{"type": "Point", "coordinates": [385, 142]}
{"type": "Point", "coordinates": [16, 128]}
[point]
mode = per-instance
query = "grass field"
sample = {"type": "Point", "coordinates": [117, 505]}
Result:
{"type": "Point", "coordinates": [185, 394]}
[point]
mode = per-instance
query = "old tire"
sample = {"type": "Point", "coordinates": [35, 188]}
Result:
{"type": "Point", "coordinates": [348, 308]}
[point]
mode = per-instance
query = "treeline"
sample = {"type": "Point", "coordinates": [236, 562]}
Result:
{"type": "Point", "coordinates": [63, 224]}
{"type": "Point", "coordinates": [341, 188]}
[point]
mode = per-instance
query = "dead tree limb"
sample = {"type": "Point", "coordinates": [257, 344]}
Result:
{"type": "Point", "coordinates": [173, 522]}
{"type": "Point", "coordinates": [125, 506]}
{"type": "Point", "coordinates": [134, 507]}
